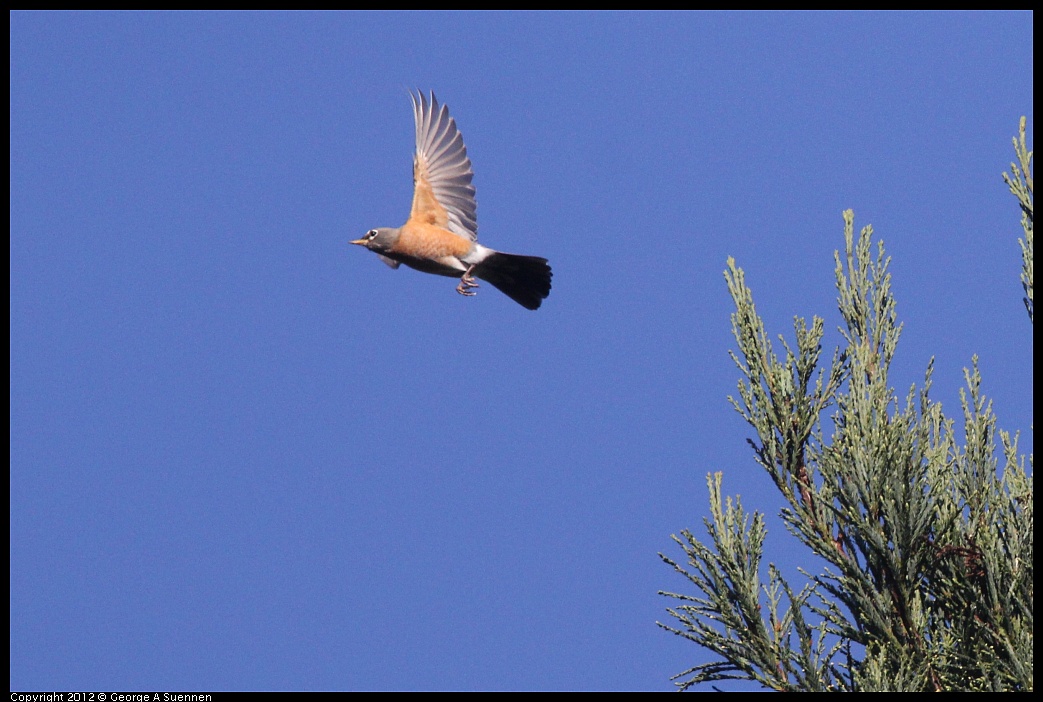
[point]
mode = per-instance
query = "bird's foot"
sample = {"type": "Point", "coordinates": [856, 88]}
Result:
{"type": "Point", "coordinates": [467, 284]}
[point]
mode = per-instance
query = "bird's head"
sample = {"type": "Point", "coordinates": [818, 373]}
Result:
{"type": "Point", "coordinates": [379, 240]}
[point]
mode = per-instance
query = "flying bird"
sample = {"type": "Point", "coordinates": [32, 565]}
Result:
{"type": "Point", "coordinates": [441, 234]}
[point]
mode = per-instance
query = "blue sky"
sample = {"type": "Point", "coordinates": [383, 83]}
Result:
{"type": "Point", "coordinates": [246, 455]}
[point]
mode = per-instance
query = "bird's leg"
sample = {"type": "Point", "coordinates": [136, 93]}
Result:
{"type": "Point", "coordinates": [467, 282]}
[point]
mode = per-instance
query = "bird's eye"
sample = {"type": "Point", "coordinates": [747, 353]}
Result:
{"type": "Point", "coordinates": [371, 234]}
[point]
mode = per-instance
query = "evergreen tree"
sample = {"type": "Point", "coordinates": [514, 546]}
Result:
{"type": "Point", "coordinates": [928, 544]}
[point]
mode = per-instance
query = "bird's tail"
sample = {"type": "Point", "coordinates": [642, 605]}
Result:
{"type": "Point", "coordinates": [524, 279]}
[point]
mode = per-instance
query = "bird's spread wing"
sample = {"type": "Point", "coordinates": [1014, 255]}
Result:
{"type": "Point", "coordinates": [442, 190]}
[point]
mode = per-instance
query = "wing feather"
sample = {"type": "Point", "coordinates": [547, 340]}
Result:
{"type": "Point", "coordinates": [442, 191]}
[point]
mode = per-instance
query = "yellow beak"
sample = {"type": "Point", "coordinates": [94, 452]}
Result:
{"type": "Point", "coordinates": [360, 242]}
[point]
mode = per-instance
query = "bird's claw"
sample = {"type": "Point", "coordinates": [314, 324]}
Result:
{"type": "Point", "coordinates": [467, 283]}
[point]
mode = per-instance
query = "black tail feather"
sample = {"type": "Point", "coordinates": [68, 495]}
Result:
{"type": "Point", "coordinates": [524, 279]}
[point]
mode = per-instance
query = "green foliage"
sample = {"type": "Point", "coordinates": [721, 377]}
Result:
{"type": "Point", "coordinates": [928, 544]}
{"type": "Point", "coordinates": [1020, 183]}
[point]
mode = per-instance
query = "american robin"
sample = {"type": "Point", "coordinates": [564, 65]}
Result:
{"type": "Point", "coordinates": [441, 234]}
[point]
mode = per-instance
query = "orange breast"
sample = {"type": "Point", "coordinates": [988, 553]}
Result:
{"type": "Point", "coordinates": [423, 240]}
